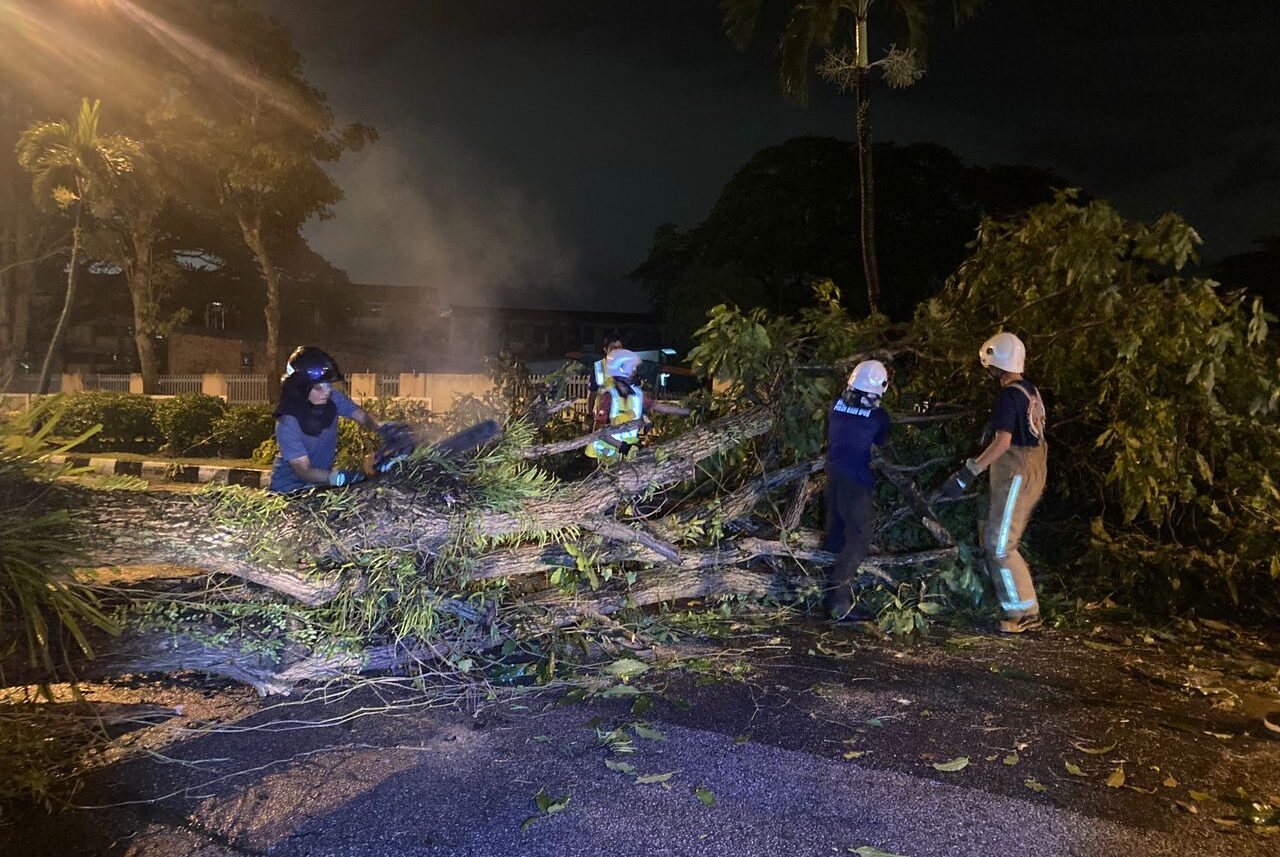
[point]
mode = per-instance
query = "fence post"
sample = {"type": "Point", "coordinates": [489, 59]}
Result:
{"type": "Point", "coordinates": [72, 383]}
{"type": "Point", "coordinates": [214, 384]}
{"type": "Point", "coordinates": [135, 383]}
{"type": "Point", "coordinates": [364, 385]}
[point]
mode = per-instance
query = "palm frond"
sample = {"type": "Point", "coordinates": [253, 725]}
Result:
{"type": "Point", "coordinates": [812, 24]}
{"type": "Point", "coordinates": [740, 20]}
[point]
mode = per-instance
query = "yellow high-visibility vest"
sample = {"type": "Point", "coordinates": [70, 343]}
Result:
{"type": "Point", "coordinates": [622, 409]}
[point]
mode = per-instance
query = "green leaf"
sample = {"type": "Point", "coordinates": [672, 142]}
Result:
{"type": "Point", "coordinates": [643, 731]}
{"type": "Point", "coordinates": [1195, 795]}
{"type": "Point", "coordinates": [1074, 770]}
{"type": "Point", "coordinates": [627, 668]}
{"type": "Point", "coordinates": [957, 764]}
{"type": "Point", "coordinates": [1095, 751]}
{"type": "Point", "coordinates": [1035, 785]}
{"type": "Point", "coordinates": [621, 690]}
{"type": "Point", "coordinates": [649, 779]}
{"type": "Point", "coordinates": [620, 767]}
{"type": "Point", "coordinates": [1011, 759]}
{"type": "Point", "coordinates": [868, 851]}
{"type": "Point", "coordinates": [1116, 780]}
{"type": "Point", "coordinates": [705, 795]}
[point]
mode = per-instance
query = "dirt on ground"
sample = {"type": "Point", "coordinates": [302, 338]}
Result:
{"type": "Point", "coordinates": [760, 739]}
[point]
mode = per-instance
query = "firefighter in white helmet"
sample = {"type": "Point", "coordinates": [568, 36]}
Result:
{"type": "Point", "coordinates": [599, 378]}
{"type": "Point", "coordinates": [856, 423]}
{"type": "Point", "coordinates": [1017, 457]}
{"type": "Point", "coordinates": [621, 400]}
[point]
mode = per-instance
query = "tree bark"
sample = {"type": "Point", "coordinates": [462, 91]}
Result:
{"type": "Point", "coordinates": [866, 179]}
{"type": "Point", "coordinates": [145, 308]}
{"type": "Point", "coordinates": [251, 228]}
{"type": "Point", "coordinates": [46, 370]}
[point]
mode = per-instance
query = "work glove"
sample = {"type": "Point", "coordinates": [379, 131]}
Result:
{"type": "Point", "coordinates": [343, 478]}
{"type": "Point", "coordinates": [962, 480]}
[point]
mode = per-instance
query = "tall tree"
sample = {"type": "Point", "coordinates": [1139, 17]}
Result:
{"type": "Point", "coordinates": [251, 123]}
{"type": "Point", "coordinates": [74, 169]}
{"type": "Point", "coordinates": [841, 29]}
{"type": "Point", "coordinates": [784, 219]}
{"type": "Point", "coordinates": [28, 236]}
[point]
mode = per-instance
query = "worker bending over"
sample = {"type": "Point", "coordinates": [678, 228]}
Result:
{"type": "Point", "coordinates": [1017, 456]}
{"type": "Point", "coordinates": [856, 423]}
{"type": "Point", "coordinates": [622, 401]}
{"type": "Point", "coordinates": [307, 423]}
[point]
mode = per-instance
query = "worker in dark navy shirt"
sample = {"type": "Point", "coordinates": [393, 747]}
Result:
{"type": "Point", "coordinates": [857, 423]}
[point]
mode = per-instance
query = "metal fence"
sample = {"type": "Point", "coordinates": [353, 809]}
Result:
{"type": "Point", "coordinates": [388, 386]}
{"type": "Point", "coordinates": [176, 385]}
{"type": "Point", "coordinates": [112, 383]}
{"type": "Point", "coordinates": [250, 389]}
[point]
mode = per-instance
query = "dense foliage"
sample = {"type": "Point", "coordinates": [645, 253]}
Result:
{"type": "Point", "coordinates": [1162, 389]}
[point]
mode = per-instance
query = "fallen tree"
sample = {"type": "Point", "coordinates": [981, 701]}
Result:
{"type": "Point", "coordinates": [446, 557]}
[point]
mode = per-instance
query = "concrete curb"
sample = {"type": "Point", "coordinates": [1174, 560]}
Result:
{"type": "Point", "coordinates": [169, 471]}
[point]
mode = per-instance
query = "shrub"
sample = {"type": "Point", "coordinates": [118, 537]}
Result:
{"type": "Point", "coordinates": [128, 420]}
{"type": "Point", "coordinates": [242, 429]}
{"type": "Point", "coordinates": [187, 422]}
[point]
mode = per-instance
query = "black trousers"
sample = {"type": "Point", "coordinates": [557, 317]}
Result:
{"type": "Point", "coordinates": [850, 516]}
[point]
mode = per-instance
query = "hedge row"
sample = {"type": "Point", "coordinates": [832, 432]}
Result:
{"type": "Point", "coordinates": [196, 424]}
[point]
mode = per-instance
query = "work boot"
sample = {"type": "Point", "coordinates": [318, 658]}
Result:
{"type": "Point", "coordinates": [1022, 624]}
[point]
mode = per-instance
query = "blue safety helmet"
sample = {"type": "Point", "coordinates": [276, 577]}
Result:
{"type": "Point", "coordinates": [313, 364]}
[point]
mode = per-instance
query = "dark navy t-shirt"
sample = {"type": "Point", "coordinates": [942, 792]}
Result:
{"type": "Point", "coordinates": [1011, 413]}
{"type": "Point", "coordinates": [852, 431]}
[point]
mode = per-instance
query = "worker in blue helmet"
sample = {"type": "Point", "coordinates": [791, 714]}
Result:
{"type": "Point", "coordinates": [307, 423]}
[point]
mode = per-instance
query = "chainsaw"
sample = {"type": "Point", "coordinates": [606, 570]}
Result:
{"type": "Point", "coordinates": [399, 441]}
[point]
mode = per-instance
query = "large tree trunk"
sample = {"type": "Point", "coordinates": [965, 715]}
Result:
{"type": "Point", "coordinates": [619, 515]}
{"type": "Point", "coordinates": [145, 305]}
{"type": "Point", "coordinates": [55, 341]}
{"type": "Point", "coordinates": [251, 228]}
{"type": "Point", "coordinates": [866, 178]}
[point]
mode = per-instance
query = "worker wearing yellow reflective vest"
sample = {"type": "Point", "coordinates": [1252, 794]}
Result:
{"type": "Point", "coordinates": [600, 379]}
{"type": "Point", "coordinates": [622, 401]}
{"type": "Point", "coordinates": [1018, 458]}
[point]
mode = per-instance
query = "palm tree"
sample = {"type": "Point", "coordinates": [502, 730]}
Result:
{"type": "Point", "coordinates": [76, 170]}
{"type": "Point", "coordinates": [840, 29]}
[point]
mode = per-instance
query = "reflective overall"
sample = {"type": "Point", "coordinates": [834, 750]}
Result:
{"type": "Point", "coordinates": [1017, 481]}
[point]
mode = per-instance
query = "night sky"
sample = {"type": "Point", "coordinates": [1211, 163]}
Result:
{"type": "Point", "coordinates": [530, 147]}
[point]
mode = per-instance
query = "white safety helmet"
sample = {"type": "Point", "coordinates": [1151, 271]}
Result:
{"type": "Point", "coordinates": [621, 363]}
{"type": "Point", "coordinates": [1004, 351]}
{"type": "Point", "coordinates": [869, 376]}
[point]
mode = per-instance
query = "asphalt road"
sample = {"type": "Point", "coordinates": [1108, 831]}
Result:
{"type": "Point", "coordinates": [812, 755]}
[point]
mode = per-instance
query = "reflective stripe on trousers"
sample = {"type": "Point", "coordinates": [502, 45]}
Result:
{"type": "Point", "coordinates": [1017, 481]}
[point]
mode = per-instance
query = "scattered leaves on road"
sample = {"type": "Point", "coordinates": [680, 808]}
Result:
{"type": "Point", "coordinates": [547, 806]}
{"type": "Point", "coordinates": [704, 794]}
{"type": "Point", "coordinates": [1074, 770]}
{"type": "Point", "coordinates": [648, 732]}
{"type": "Point", "coordinates": [1116, 780]}
{"type": "Point", "coordinates": [868, 851]}
{"type": "Point", "coordinates": [1035, 785]}
{"type": "Point", "coordinates": [1011, 759]}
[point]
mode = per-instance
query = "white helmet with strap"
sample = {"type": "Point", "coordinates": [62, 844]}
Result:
{"type": "Point", "coordinates": [869, 376]}
{"type": "Point", "coordinates": [1004, 351]}
{"type": "Point", "coordinates": [621, 363]}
